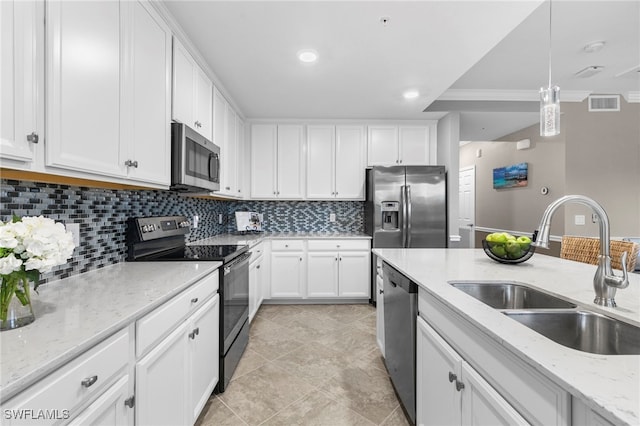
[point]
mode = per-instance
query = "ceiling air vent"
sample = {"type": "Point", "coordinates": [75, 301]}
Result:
{"type": "Point", "coordinates": [603, 103]}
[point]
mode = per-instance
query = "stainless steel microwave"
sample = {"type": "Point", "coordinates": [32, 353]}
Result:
{"type": "Point", "coordinates": [195, 161]}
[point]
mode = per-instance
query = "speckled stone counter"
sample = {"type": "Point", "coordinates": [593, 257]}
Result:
{"type": "Point", "coordinates": [253, 239]}
{"type": "Point", "coordinates": [610, 385]}
{"type": "Point", "coordinates": [74, 314]}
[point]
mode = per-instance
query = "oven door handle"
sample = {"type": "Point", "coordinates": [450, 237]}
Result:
{"type": "Point", "coordinates": [235, 263]}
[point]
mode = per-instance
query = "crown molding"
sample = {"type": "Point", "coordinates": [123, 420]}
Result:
{"type": "Point", "coordinates": [508, 95]}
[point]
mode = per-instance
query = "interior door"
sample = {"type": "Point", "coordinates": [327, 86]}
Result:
{"type": "Point", "coordinates": [467, 207]}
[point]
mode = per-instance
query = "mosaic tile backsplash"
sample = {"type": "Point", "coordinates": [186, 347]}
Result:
{"type": "Point", "coordinates": [102, 215]}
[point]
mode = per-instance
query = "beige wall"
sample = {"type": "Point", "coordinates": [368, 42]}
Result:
{"type": "Point", "coordinates": [603, 162]}
{"type": "Point", "coordinates": [447, 155]}
{"type": "Point", "coordinates": [596, 154]}
{"type": "Point", "coordinates": [517, 209]}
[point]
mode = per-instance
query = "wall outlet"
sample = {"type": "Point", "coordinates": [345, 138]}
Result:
{"type": "Point", "coordinates": [579, 219]}
{"type": "Point", "coordinates": [332, 217]}
{"type": "Point", "coordinates": [196, 219]}
{"type": "Point", "coordinates": [219, 218]}
{"type": "Point", "coordinates": [74, 228]}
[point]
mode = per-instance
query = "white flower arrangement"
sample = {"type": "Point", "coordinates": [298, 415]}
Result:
{"type": "Point", "coordinates": [29, 246]}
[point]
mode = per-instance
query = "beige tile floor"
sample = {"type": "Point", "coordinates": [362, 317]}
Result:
{"type": "Point", "coordinates": [309, 365]}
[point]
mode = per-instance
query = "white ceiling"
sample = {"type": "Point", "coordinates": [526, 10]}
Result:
{"type": "Point", "coordinates": [475, 47]}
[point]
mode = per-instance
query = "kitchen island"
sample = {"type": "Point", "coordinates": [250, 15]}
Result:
{"type": "Point", "coordinates": [608, 385]}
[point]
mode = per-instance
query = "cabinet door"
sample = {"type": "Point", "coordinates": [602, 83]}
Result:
{"type": "Point", "coordinates": [286, 274]}
{"type": "Point", "coordinates": [322, 274]}
{"type": "Point", "coordinates": [482, 405]}
{"type": "Point", "coordinates": [321, 162]}
{"type": "Point", "coordinates": [414, 145]}
{"type": "Point", "coordinates": [203, 107]}
{"type": "Point", "coordinates": [228, 153]}
{"type": "Point", "coordinates": [290, 162]}
{"type": "Point", "coordinates": [354, 268]}
{"type": "Point", "coordinates": [18, 83]}
{"type": "Point", "coordinates": [184, 86]}
{"type": "Point", "coordinates": [109, 409]}
{"type": "Point", "coordinates": [383, 146]}
{"type": "Point", "coordinates": [253, 289]}
{"type": "Point", "coordinates": [438, 402]}
{"type": "Point", "coordinates": [350, 162]}
{"type": "Point", "coordinates": [83, 86]}
{"type": "Point", "coordinates": [161, 382]}
{"type": "Point", "coordinates": [146, 103]}
{"type": "Point", "coordinates": [204, 344]}
{"type": "Point", "coordinates": [380, 313]}
{"type": "Point", "coordinates": [240, 157]}
{"type": "Point", "coordinates": [219, 118]}
{"type": "Point", "coordinates": [264, 139]}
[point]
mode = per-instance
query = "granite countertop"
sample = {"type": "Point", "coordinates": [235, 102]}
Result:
{"type": "Point", "coordinates": [75, 313]}
{"type": "Point", "coordinates": [608, 384]}
{"type": "Point", "coordinates": [254, 238]}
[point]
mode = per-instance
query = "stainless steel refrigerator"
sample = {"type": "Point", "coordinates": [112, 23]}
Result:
{"type": "Point", "coordinates": [406, 208]}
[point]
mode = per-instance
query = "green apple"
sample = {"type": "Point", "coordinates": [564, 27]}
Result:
{"type": "Point", "coordinates": [513, 249]}
{"type": "Point", "coordinates": [499, 237]}
{"type": "Point", "coordinates": [508, 236]}
{"type": "Point", "coordinates": [499, 250]}
{"type": "Point", "coordinates": [524, 242]}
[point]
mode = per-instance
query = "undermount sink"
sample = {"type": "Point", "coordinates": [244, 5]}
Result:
{"type": "Point", "coordinates": [582, 330]}
{"type": "Point", "coordinates": [511, 295]}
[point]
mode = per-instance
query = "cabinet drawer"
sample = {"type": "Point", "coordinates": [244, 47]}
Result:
{"type": "Point", "coordinates": [256, 252]}
{"type": "Point", "coordinates": [338, 245]}
{"type": "Point", "coordinates": [156, 324]}
{"type": "Point", "coordinates": [76, 382]}
{"type": "Point", "coordinates": [287, 245]}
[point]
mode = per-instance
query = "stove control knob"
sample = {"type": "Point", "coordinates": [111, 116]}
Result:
{"type": "Point", "coordinates": [145, 228]}
{"type": "Point", "coordinates": [152, 227]}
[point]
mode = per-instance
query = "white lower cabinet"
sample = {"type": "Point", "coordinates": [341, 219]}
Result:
{"type": "Point", "coordinates": [112, 408]}
{"type": "Point", "coordinates": [380, 313]}
{"type": "Point", "coordinates": [450, 392]}
{"type": "Point", "coordinates": [174, 380]}
{"type": "Point", "coordinates": [287, 274]}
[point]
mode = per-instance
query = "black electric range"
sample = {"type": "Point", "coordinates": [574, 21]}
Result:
{"type": "Point", "coordinates": [162, 239]}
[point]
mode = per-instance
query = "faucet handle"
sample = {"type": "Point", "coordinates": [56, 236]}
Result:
{"type": "Point", "coordinates": [619, 282]}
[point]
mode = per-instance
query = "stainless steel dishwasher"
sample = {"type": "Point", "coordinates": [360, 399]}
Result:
{"type": "Point", "coordinates": [400, 311]}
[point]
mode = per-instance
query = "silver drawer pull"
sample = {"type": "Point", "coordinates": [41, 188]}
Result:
{"type": "Point", "coordinates": [194, 333]}
{"type": "Point", "coordinates": [452, 377]}
{"type": "Point", "coordinates": [459, 385]}
{"type": "Point", "coordinates": [89, 381]}
{"type": "Point", "coordinates": [194, 300]}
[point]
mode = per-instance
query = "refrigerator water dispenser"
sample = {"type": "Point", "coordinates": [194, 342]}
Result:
{"type": "Point", "coordinates": [390, 210]}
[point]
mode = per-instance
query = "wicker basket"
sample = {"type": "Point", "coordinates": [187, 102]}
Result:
{"type": "Point", "coordinates": [586, 250]}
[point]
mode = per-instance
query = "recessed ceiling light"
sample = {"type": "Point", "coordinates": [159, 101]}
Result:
{"type": "Point", "coordinates": [308, 55]}
{"type": "Point", "coordinates": [411, 94]}
{"type": "Point", "coordinates": [589, 71]}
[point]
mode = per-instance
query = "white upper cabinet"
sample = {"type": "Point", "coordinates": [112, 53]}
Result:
{"type": "Point", "coordinates": [107, 109]}
{"type": "Point", "coordinates": [84, 86]}
{"type": "Point", "coordinates": [277, 165]}
{"type": "Point", "coordinates": [226, 135]}
{"type": "Point", "coordinates": [192, 93]}
{"type": "Point", "coordinates": [350, 162]}
{"type": "Point", "coordinates": [146, 137]}
{"type": "Point", "coordinates": [335, 162]}
{"type": "Point", "coordinates": [18, 80]}
{"type": "Point", "coordinates": [404, 145]}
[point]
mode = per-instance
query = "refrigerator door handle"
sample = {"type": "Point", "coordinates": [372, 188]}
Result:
{"type": "Point", "coordinates": [403, 207]}
{"type": "Point", "coordinates": [407, 200]}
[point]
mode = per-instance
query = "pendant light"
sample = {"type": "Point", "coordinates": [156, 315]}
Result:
{"type": "Point", "coordinates": [550, 101]}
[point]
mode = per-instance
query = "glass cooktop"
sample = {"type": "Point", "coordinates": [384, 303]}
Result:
{"type": "Point", "coordinates": [199, 253]}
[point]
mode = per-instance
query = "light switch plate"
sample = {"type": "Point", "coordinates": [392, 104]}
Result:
{"type": "Point", "coordinates": [74, 228]}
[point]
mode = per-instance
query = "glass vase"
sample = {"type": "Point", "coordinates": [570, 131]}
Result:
{"type": "Point", "coordinates": [15, 303]}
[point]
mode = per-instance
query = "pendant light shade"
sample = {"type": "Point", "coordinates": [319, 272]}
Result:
{"type": "Point", "coordinates": [550, 111]}
{"type": "Point", "coordinates": [550, 101]}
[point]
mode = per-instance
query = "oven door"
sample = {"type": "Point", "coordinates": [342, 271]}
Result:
{"type": "Point", "coordinates": [235, 307]}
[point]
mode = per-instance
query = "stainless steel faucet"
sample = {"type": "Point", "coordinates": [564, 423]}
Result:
{"type": "Point", "coordinates": [605, 282]}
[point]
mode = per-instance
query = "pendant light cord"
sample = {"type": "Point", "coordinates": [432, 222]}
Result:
{"type": "Point", "coordinates": [550, 43]}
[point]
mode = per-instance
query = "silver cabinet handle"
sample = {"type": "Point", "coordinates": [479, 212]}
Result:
{"type": "Point", "coordinates": [381, 291]}
{"type": "Point", "coordinates": [194, 300]}
{"type": "Point", "coordinates": [89, 381]}
{"type": "Point", "coordinates": [459, 385]}
{"type": "Point", "coordinates": [33, 137]}
{"type": "Point", "coordinates": [227, 188]}
{"type": "Point", "coordinates": [452, 377]}
{"type": "Point", "coordinates": [130, 163]}
{"type": "Point", "coordinates": [258, 267]}
{"type": "Point", "coordinates": [239, 190]}
{"type": "Point", "coordinates": [194, 333]}
{"type": "Point", "coordinates": [400, 161]}
{"type": "Point", "coordinates": [130, 402]}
